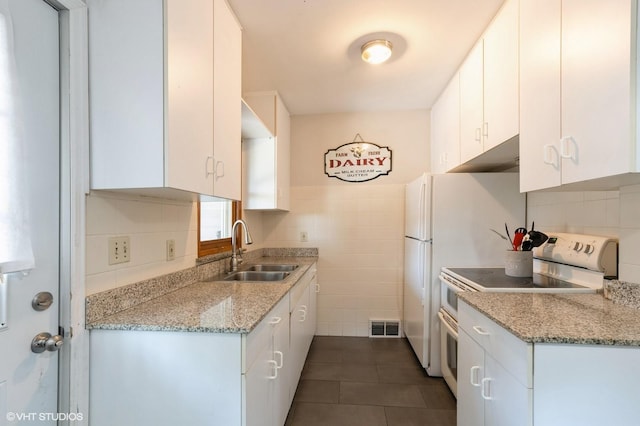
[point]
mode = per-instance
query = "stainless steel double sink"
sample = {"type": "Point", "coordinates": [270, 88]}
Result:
{"type": "Point", "coordinates": [262, 272]}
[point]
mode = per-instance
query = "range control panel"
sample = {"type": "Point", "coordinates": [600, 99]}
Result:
{"type": "Point", "coordinates": [593, 252]}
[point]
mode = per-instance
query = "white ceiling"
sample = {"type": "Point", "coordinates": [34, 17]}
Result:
{"type": "Point", "coordinates": [309, 50]}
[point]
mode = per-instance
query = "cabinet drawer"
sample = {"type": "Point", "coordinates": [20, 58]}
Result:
{"type": "Point", "coordinates": [513, 354]}
{"type": "Point", "coordinates": [261, 336]}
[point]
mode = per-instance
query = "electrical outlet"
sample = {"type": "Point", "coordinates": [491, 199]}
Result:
{"type": "Point", "coordinates": [119, 250]}
{"type": "Point", "coordinates": [304, 236]}
{"type": "Point", "coordinates": [171, 249]}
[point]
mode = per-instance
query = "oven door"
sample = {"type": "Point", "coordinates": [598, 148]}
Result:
{"type": "Point", "coordinates": [449, 287]}
{"type": "Point", "coordinates": [449, 350]}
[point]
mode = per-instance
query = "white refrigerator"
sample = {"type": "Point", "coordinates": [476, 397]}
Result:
{"type": "Point", "coordinates": [448, 222]}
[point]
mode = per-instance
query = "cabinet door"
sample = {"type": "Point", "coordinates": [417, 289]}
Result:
{"type": "Point", "coordinates": [501, 77]}
{"type": "Point", "coordinates": [227, 103]}
{"type": "Point", "coordinates": [258, 383]}
{"type": "Point", "coordinates": [281, 354]}
{"type": "Point", "coordinates": [507, 402]}
{"type": "Point", "coordinates": [596, 88]}
{"type": "Point", "coordinates": [189, 94]}
{"type": "Point", "coordinates": [539, 94]}
{"type": "Point", "coordinates": [126, 105]}
{"type": "Point", "coordinates": [314, 288]}
{"type": "Point", "coordinates": [445, 129]}
{"type": "Point", "coordinates": [470, 375]}
{"type": "Point", "coordinates": [471, 118]}
{"type": "Point", "coordinates": [298, 346]}
{"type": "Point", "coordinates": [283, 158]}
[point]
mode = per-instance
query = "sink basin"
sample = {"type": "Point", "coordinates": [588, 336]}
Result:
{"type": "Point", "coordinates": [273, 267]}
{"type": "Point", "coordinates": [257, 276]}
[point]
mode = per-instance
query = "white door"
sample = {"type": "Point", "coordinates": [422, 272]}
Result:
{"type": "Point", "coordinates": [28, 380]}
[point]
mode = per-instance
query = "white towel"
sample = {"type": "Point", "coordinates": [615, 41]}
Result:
{"type": "Point", "coordinates": [16, 253]}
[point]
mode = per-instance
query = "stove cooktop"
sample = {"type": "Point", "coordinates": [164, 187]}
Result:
{"type": "Point", "coordinates": [495, 278]}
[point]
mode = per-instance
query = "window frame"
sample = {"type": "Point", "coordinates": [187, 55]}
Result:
{"type": "Point", "coordinates": [209, 247]}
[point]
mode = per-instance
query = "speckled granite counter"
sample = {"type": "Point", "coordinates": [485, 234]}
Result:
{"type": "Point", "coordinates": [587, 319]}
{"type": "Point", "coordinates": [208, 305]}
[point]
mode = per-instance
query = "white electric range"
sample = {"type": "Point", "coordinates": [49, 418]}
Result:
{"type": "Point", "coordinates": [565, 263]}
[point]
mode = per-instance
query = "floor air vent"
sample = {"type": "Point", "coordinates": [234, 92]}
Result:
{"type": "Point", "coordinates": [384, 328]}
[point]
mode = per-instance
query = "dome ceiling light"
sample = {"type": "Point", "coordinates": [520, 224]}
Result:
{"type": "Point", "coordinates": [376, 51]}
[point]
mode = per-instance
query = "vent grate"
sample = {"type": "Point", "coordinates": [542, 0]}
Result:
{"type": "Point", "coordinates": [385, 328]}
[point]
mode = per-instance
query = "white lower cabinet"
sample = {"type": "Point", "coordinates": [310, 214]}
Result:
{"type": "Point", "coordinates": [494, 375]}
{"type": "Point", "coordinates": [158, 378]}
{"type": "Point", "coordinates": [265, 384]}
{"type": "Point", "coordinates": [504, 381]}
{"type": "Point", "coordinates": [302, 324]}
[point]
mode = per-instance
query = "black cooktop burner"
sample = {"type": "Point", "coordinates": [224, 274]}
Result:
{"type": "Point", "coordinates": [496, 278]}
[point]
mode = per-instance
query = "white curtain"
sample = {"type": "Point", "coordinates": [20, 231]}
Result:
{"type": "Point", "coordinates": [16, 253]}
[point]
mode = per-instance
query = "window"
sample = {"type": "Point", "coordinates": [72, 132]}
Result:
{"type": "Point", "coordinates": [215, 219]}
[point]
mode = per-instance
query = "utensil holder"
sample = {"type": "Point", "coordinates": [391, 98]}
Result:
{"type": "Point", "coordinates": [518, 263]}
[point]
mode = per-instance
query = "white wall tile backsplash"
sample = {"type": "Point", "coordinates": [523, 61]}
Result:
{"type": "Point", "coordinates": [611, 213]}
{"type": "Point", "coordinates": [358, 230]}
{"type": "Point", "coordinates": [630, 233]}
{"type": "Point", "coordinates": [594, 212]}
{"type": "Point", "coordinates": [149, 223]}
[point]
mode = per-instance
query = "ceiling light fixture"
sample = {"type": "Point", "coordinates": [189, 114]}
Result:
{"type": "Point", "coordinates": [376, 51]}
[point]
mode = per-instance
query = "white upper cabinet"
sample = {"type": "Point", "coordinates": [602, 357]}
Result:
{"type": "Point", "coordinates": [489, 87]}
{"type": "Point", "coordinates": [539, 94]}
{"type": "Point", "coordinates": [471, 116]}
{"type": "Point", "coordinates": [501, 77]}
{"type": "Point", "coordinates": [445, 128]}
{"type": "Point", "coordinates": [596, 88]}
{"type": "Point", "coordinates": [578, 93]}
{"type": "Point", "coordinates": [165, 97]}
{"type": "Point", "coordinates": [227, 102]}
{"type": "Point", "coordinates": [266, 159]}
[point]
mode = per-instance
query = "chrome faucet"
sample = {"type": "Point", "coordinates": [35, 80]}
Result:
{"type": "Point", "coordinates": [236, 258]}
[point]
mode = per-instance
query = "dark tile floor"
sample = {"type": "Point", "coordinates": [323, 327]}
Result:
{"type": "Point", "coordinates": [355, 381]}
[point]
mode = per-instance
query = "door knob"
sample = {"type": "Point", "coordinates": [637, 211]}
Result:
{"type": "Point", "coordinates": [46, 342]}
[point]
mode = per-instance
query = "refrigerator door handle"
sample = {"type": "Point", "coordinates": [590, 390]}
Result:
{"type": "Point", "coordinates": [423, 224]}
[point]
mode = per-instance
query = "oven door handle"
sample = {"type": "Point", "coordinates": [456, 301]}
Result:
{"type": "Point", "coordinates": [450, 329]}
{"type": "Point", "coordinates": [455, 286]}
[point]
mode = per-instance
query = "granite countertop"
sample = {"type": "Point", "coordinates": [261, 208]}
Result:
{"type": "Point", "coordinates": [586, 319]}
{"type": "Point", "coordinates": [210, 305]}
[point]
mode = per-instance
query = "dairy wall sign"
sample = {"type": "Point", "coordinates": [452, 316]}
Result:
{"type": "Point", "coordinates": [357, 161]}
